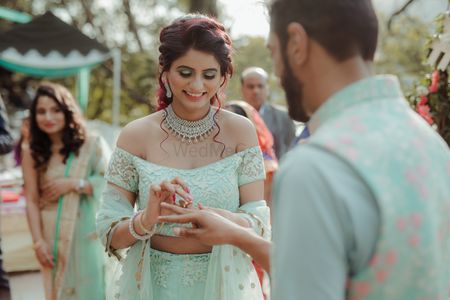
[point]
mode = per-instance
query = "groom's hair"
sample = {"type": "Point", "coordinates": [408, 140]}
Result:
{"type": "Point", "coordinates": [344, 28]}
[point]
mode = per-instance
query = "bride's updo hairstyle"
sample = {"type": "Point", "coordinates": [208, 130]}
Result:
{"type": "Point", "coordinates": [196, 32]}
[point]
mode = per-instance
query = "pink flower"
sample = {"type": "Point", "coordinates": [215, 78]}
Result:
{"type": "Point", "coordinates": [423, 100]}
{"type": "Point", "coordinates": [434, 82]}
{"type": "Point", "coordinates": [424, 111]}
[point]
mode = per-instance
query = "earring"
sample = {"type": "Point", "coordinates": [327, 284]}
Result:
{"type": "Point", "coordinates": [168, 91]}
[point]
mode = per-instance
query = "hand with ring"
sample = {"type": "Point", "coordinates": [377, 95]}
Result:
{"type": "Point", "coordinates": [167, 192]}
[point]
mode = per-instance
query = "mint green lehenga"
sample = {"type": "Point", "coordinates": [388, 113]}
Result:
{"type": "Point", "coordinates": [144, 273]}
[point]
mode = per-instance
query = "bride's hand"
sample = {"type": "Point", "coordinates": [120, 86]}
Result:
{"type": "Point", "coordinates": [166, 191]}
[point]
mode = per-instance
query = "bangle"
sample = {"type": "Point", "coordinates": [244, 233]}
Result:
{"type": "Point", "coordinates": [80, 186]}
{"type": "Point", "coordinates": [142, 227]}
{"type": "Point", "coordinates": [133, 232]}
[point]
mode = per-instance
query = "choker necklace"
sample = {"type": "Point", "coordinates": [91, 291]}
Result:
{"type": "Point", "coordinates": [189, 131]}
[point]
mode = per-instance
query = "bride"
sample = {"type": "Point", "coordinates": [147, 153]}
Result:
{"type": "Point", "coordinates": [191, 153]}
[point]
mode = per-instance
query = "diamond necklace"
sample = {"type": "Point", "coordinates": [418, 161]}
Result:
{"type": "Point", "coordinates": [189, 131]}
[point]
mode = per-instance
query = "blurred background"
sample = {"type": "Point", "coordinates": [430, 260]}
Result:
{"type": "Point", "coordinates": [133, 25]}
{"type": "Point", "coordinates": [110, 64]}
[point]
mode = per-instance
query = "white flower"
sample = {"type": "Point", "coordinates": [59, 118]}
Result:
{"type": "Point", "coordinates": [421, 90]}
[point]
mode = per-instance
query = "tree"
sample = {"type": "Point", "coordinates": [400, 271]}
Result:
{"type": "Point", "coordinates": [398, 52]}
{"type": "Point", "coordinates": [134, 30]}
{"type": "Point", "coordinates": [398, 12]}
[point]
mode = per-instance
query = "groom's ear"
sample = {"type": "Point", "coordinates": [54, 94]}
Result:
{"type": "Point", "coordinates": [297, 45]}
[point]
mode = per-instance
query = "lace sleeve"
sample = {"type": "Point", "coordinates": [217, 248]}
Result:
{"type": "Point", "coordinates": [251, 167]}
{"type": "Point", "coordinates": [114, 208]}
{"type": "Point", "coordinates": [122, 172]}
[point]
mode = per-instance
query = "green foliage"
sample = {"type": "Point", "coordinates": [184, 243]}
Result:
{"type": "Point", "coordinates": [134, 31]}
{"type": "Point", "coordinates": [400, 51]}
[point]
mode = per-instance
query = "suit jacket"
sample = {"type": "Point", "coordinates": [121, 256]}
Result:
{"type": "Point", "coordinates": [280, 125]}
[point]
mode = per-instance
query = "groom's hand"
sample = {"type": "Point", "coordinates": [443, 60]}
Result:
{"type": "Point", "coordinates": [208, 227]}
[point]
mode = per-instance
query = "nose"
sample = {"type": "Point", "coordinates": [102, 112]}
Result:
{"type": "Point", "coordinates": [256, 90]}
{"type": "Point", "coordinates": [197, 84]}
{"type": "Point", "coordinates": [48, 115]}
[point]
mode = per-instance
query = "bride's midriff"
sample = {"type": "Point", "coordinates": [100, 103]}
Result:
{"type": "Point", "coordinates": [178, 245]}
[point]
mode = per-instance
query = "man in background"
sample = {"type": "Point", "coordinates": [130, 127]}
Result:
{"type": "Point", "coordinates": [255, 92]}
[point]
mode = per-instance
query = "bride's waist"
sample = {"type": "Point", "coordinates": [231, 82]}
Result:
{"type": "Point", "coordinates": [178, 245]}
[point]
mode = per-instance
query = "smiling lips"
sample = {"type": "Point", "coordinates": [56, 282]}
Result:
{"type": "Point", "coordinates": [49, 125]}
{"type": "Point", "coordinates": [194, 96]}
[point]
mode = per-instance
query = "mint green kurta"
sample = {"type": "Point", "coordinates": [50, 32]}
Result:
{"type": "Point", "coordinates": [382, 207]}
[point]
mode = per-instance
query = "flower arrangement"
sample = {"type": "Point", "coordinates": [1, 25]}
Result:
{"type": "Point", "coordinates": [431, 98]}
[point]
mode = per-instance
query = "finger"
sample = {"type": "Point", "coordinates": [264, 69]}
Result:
{"type": "Point", "coordinates": [167, 186]}
{"type": "Point", "coordinates": [181, 192]}
{"type": "Point", "coordinates": [50, 262]}
{"type": "Point", "coordinates": [182, 183]}
{"type": "Point", "coordinates": [46, 191]}
{"type": "Point", "coordinates": [175, 208]}
{"type": "Point", "coordinates": [187, 232]}
{"type": "Point", "coordinates": [155, 189]}
{"type": "Point", "coordinates": [49, 258]}
{"type": "Point", "coordinates": [181, 219]}
{"type": "Point", "coordinates": [189, 204]}
{"type": "Point", "coordinates": [184, 203]}
{"type": "Point", "coordinates": [47, 185]}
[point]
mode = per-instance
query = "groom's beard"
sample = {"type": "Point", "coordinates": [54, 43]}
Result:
{"type": "Point", "coordinates": [294, 93]}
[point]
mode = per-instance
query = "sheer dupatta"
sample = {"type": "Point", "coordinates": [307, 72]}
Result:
{"type": "Point", "coordinates": [231, 274]}
{"type": "Point", "coordinates": [69, 206]}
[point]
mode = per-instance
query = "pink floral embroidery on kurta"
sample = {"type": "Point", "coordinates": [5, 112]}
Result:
{"type": "Point", "coordinates": [362, 288]}
{"type": "Point", "coordinates": [414, 240]}
{"type": "Point", "coordinates": [401, 224]}
{"type": "Point", "coordinates": [391, 257]}
{"type": "Point", "coordinates": [416, 220]}
{"type": "Point", "coordinates": [381, 276]}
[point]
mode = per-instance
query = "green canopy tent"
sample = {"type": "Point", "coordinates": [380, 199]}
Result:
{"type": "Point", "coordinates": [48, 47]}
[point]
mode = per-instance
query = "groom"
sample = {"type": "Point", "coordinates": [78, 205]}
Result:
{"type": "Point", "coordinates": [362, 209]}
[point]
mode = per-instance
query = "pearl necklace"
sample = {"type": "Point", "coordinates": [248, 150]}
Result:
{"type": "Point", "coordinates": [189, 131]}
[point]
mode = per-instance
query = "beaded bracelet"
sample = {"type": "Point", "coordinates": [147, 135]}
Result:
{"type": "Point", "coordinates": [133, 232]}
{"type": "Point", "coordinates": [142, 227]}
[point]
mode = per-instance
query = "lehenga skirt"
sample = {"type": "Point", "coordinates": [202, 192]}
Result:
{"type": "Point", "coordinates": [178, 276]}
